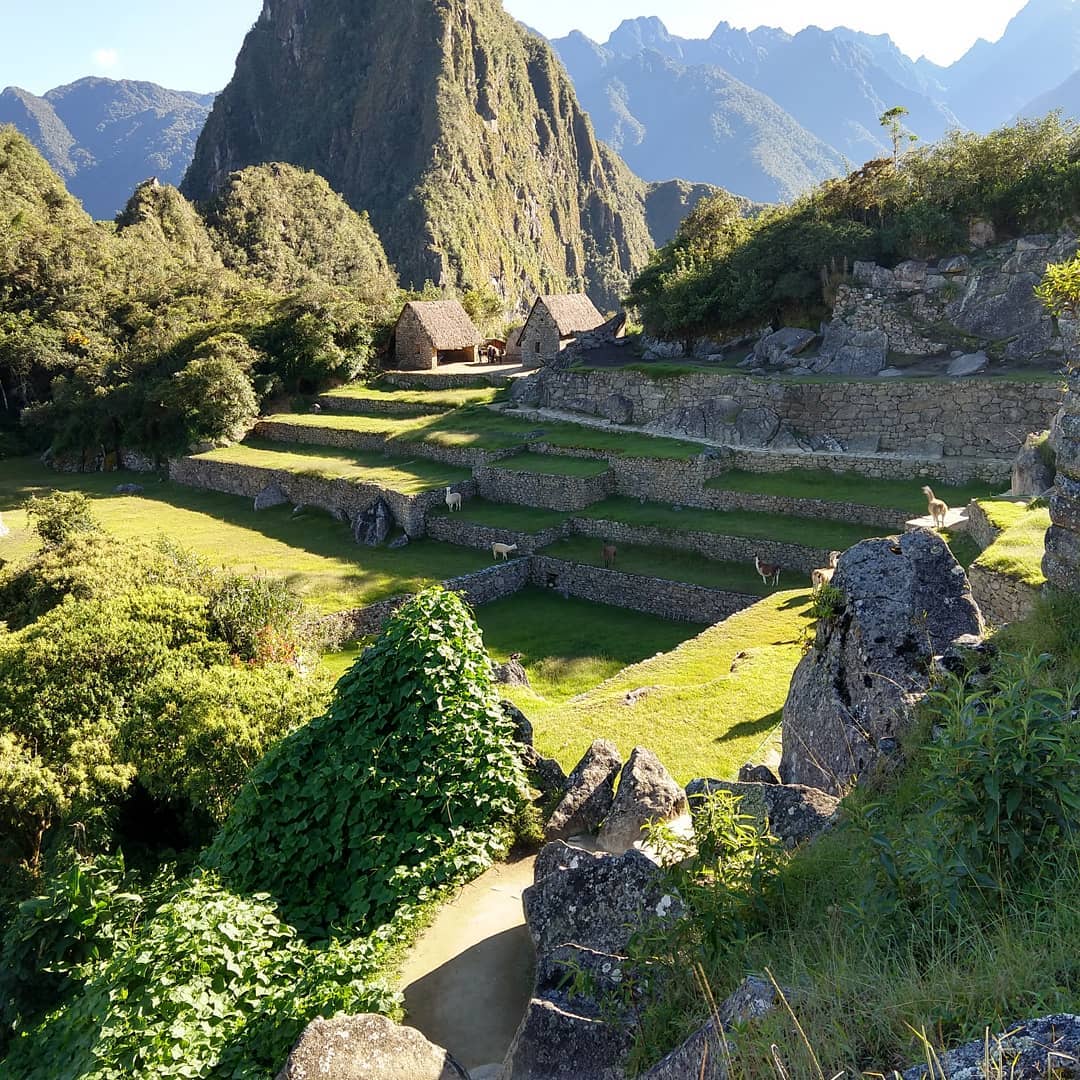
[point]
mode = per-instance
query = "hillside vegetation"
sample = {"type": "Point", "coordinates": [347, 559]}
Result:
{"type": "Point", "coordinates": [724, 273]}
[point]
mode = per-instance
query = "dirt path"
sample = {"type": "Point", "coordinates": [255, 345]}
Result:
{"type": "Point", "coordinates": [468, 979]}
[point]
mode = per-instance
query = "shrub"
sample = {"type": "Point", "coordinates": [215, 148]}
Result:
{"type": "Point", "coordinates": [258, 617]}
{"type": "Point", "coordinates": [405, 785]}
{"type": "Point", "coordinates": [58, 516]}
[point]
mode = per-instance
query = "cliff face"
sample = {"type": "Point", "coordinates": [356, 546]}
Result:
{"type": "Point", "coordinates": [454, 128]}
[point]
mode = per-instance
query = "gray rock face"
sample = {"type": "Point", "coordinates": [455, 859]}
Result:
{"type": "Point", "coordinates": [757, 774]}
{"type": "Point", "coordinates": [968, 364]}
{"type": "Point", "coordinates": [792, 812]}
{"type": "Point", "coordinates": [847, 351]}
{"type": "Point", "coordinates": [955, 264]}
{"type": "Point", "coordinates": [367, 1047]}
{"type": "Point", "coordinates": [270, 496]}
{"type": "Point", "coordinates": [618, 408]}
{"type": "Point", "coordinates": [129, 489]}
{"type": "Point", "coordinates": [372, 527]}
{"type": "Point", "coordinates": [556, 1043]}
{"type": "Point", "coordinates": [402, 541]}
{"type": "Point", "coordinates": [1032, 474]}
{"type": "Point", "coordinates": [1035, 1050]}
{"type": "Point", "coordinates": [511, 674]}
{"type": "Point", "coordinates": [781, 346]}
{"type": "Point", "coordinates": [854, 693]}
{"type": "Point", "coordinates": [590, 792]}
{"type": "Point", "coordinates": [647, 794]}
{"type": "Point", "coordinates": [1061, 563]}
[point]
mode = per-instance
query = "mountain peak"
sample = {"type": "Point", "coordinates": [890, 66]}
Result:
{"type": "Point", "coordinates": [644, 32]}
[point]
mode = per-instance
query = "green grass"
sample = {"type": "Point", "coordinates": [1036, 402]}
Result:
{"type": "Point", "coordinates": [481, 428]}
{"type": "Point", "coordinates": [665, 563]}
{"type": "Point", "coordinates": [527, 519]}
{"type": "Point", "coordinates": [550, 465]}
{"type": "Point", "coordinates": [434, 400]}
{"type": "Point", "coordinates": [313, 552]}
{"type": "Point", "coordinates": [847, 487]}
{"type": "Point", "coordinates": [407, 477]}
{"type": "Point", "coordinates": [1018, 551]}
{"type": "Point", "coordinates": [703, 717]}
{"type": "Point", "coordinates": [810, 532]}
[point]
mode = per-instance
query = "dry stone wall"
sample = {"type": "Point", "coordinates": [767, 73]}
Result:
{"type": "Point", "coordinates": [928, 418]}
{"type": "Point", "coordinates": [541, 489]}
{"type": "Point", "coordinates": [1001, 599]}
{"type": "Point", "coordinates": [334, 496]}
{"type": "Point", "coordinates": [652, 596]}
{"type": "Point", "coordinates": [452, 529]}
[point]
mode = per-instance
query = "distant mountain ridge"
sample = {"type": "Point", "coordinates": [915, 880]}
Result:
{"type": "Point", "coordinates": [104, 136]}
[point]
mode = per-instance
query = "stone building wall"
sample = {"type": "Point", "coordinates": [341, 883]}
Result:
{"type": "Point", "coordinates": [926, 418]}
{"type": "Point", "coordinates": [652, 596]}
{"type": "Point", "coordinates": [792, 557]}
{"type": "Point", "coordinates": [540, 340]}
{"type": "Point", "coordinates": [541, 490]}
{"type": "Point", "coordinates": [413, 347]}
{"type": "Point", "coordinates": [334, 496]}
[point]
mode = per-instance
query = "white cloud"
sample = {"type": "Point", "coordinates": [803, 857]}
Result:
{"type": "Point", "coordinates": [106, 59]}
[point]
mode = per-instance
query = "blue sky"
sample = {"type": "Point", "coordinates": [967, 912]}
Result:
{"type": "Point", "coordinates": [49, 42]}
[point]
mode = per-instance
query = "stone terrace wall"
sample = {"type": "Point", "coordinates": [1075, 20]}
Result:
{"type": "Point", "coordinates": [462, 457]}
{"type": "Point", "coordinates": [1001, 599]}
{"type": "Point", "coordinates": [482, 587]}
{"type": "Point", "coordinates": [877, 516]}
{"type": "Point", "coordinates": [352, 497]}
{"type": "Point", "coordinates": [792, 557]}
{"type": "Point", "coordinates": [446, 380]}
{"type": "Point", "coordinates": [979, 528]}
{"type": "Point", "coordinates": [452, 529]}
{"type": "Point", "coordinates": [652, 596]}
{"type": "Point", "coordinates": [974, 417]}
{"type": "Point", "coordinates": [542, 490]}
{"type": "Point", "coordinates": [346, 403]}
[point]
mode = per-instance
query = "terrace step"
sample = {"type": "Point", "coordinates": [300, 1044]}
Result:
{"type": "Point", "coordinates": [361, 406]}
{"type": "Point", "coordinates": [956, 518]}
{"type": "Point", "coordinates": [469, 375]}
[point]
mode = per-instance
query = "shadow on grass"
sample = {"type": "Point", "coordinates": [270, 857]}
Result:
{"type": "Point", "coordinates": [748, 728]}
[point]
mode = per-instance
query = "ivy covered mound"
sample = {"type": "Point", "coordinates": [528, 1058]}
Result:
{"type": "Point", "coordinates": [406, 786]}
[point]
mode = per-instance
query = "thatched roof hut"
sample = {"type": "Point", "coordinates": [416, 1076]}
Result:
{"type": "Point", "coordinates": [430, 332]}
{"type": "Point", "coordinates": [553, 323]}
{"type": "Point", "coordinates": [572, 313]}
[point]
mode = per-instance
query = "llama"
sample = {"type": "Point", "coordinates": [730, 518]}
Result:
{"type": "Point", "coordinates": [937, 509]}
{"type": "Point", "coordinates": [608, 553]}
{"type": "Point", "coordinates": [453, 500]}
{"type": "Point", "coordinates": [823, 575]}
{"type": "Point", "coordinates": [505, 550]}
{"type": "Point", "coordinates": [770, 572]}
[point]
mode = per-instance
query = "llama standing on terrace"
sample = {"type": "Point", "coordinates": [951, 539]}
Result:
{"type": "Point", "coordinates": [502, 550]}
{"type": "Point", "coordinates": [453, 500]}
{"type": "Point", "coordinates": [770, 572]}
{"type": "Point", "coordinates": [936, 508]}
{"type": "Point", "coordinates": [823, 575]}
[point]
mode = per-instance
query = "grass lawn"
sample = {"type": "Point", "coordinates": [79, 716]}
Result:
{"type": "Point", "coordinates": [702, 717]}
{"type": "Point", "coordinates": [664, 562]}
{"type": "Point", "coordinates": [426, 400]}
{"type": "Point", "coordinates": [549, 465]}
{"type": "Point", "coordinates": [313, 552]}
{"type": "Point", "coordinates": [848, 487]}
{"type": "Point", "coordinates": [1018, 551]}
{"type": "Point", "coordinates": [407, 477]}
{"type": "Point", "coordinates": [810, 532]}
{"type": "Point", "coordinates": [481, 428]}
{"type": "Point", "coordinates": [530, 519]}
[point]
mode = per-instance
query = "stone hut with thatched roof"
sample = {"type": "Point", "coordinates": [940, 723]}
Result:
{"type": "Point", "coordinates": [554, 323]}
{"type": "Point", "coordinates": [433, 332]}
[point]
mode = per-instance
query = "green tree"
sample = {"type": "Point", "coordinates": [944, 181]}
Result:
{"type": "Point", "coordinates": [893, 121]}
{"type": "Point", "coordinates": [60, 515]}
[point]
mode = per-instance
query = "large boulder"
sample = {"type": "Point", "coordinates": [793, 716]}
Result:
{"type": "Point", "coordinates": [778, 347]}
{"type": "Point", "coordinates": [590, 792]}
{"type": "Point", "coordinates": [272, 495]}
{"type": "Point", "coordinates": [793, 813]}
{"type": "Point", "coordinates": [848, 351]}
{"type": "Point", "coordinates": [647, 795]}
{"type": "Point", "coordinates": [556, 1042]}
{"type": "Point", "coordinates": [853, 695]}
{"type": "Point", "coordinates": [968, 364]}
{"type": "Point", "coordinates": [367, 1047]}
{"type": "Point", "coordinates": [1035, 1050]}
{"type": "Point", "coordinates": [373, 525]}
{"type": "Point", "coordinates": [1033, 469]}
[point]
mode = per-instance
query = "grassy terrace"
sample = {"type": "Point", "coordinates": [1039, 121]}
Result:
{"type": "Point", "coordinates": [664, 563]}
{"type": "Point", "coordinates": [847, 487]}
{"type": "Point", "coordinates": [704, 718]}
{"type": "Point", "coordinates": [529, 519]}
{"type": "Point", "coordinates": [549, 465]}
{"type": "Point", "coordinates": [810, 532]}
{"type": "Point", "coordinates": [313, 552]}
{"type": "Point", "coordinates": [1018, 551]}
{"type": "Point", "coordinates": [487, 429]}
{"type": "Point", "coordinates": [328, 463]}
{"type": "Point", "coordinates": [424, 400]}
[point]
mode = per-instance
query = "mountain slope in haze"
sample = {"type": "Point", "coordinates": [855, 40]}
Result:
{"type": "Point", "coordinates": [454, 128]}
{"type": "Point", "coordinates": [104, 136]}
{"type": "Point", "coordinates": [1065, 97]}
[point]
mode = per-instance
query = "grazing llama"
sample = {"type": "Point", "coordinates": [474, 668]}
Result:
{"type": "Point", "coordinates": [936, 508]}
{"type": "Point", "coordinates": [608, 553]}
{"type": "Point", "coordinates": [453, 500]}
{"type": "Point", "coordinates": [503, 550]}
{"type": "Point", "coordinates": [770, 572]}
{"type": "Point", "coordinates": [823, 575]}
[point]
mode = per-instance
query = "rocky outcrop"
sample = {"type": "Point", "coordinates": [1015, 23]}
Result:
{"type": "Point", "coordinates": [1061, 563]}
{"type": "Point", "coordinates": [853, 695]}
{"type": "Point", "coordinates": [372, 527]}
{"type": "Point", "coordinates": [1034, 469]}
{"type": "Point", "coordinates": [1035, 1050]}
{"type": "Point", "coordinates": [270, 496]}
{"type": "Point", "coordinates": [647, 795]}
{"type": "Point", "coordinates": [545, 773]}
{"type": "Point", "coordinates": [452, 126]}
{"type": "Point", "coordinates": [367, 1047]}
{"type": "Point", "coordinates": [791, 812]}
{"type": "Point", "coordinates": [590, 792]}
{"type": "Point", "coordinates": [581, 912]}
